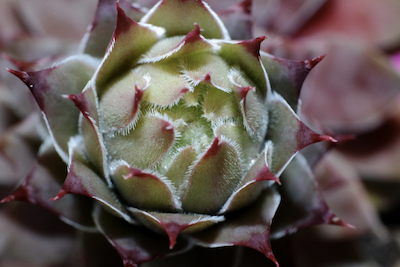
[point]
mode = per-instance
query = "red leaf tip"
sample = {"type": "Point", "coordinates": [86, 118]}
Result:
{"type": "Point", "coordinates": [253, 46]}
{"type": "Point", "coordinates": [60, 194]}
{"type": "Point", "coordinates": [22, 75]}
{"type": "Point", "coordinates": [309, 64]}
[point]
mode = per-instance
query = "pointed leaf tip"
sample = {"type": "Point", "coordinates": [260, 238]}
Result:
{"type": "Point", "coordinates": [310, 64]}
{"type": "Point", "coordinates": [60, 195]}
{"type": "Point", "coordinates": [22, 75]}
{"type": "Point", "coordinates": [253, 46]}
{"type": "Point", "coordinates": [123, 22]}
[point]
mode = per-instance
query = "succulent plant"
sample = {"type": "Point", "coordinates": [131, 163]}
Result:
{"type": "Point", "coordinates": [174, 135]}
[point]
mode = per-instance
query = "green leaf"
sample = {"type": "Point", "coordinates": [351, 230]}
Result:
{"type": "Point", "coordinates": [129, 42]}
{"type": "Point", "coordinates": [144, 190]}
{"type": "Point", "coordinates": [146, 144]}
{"type": "Point", "coordinates": [213, 178]}
{"type": "Point", "coordinates": [164, 14]}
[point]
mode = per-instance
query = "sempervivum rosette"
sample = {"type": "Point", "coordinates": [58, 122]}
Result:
{"type": "Point", "coordinates": [177, 129]}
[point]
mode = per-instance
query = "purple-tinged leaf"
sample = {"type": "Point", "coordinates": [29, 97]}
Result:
{"type": "Point", "coordinates": [249, 227]}
{"type": "Point", "coordinates": [43, 183]}
{"type": "Point", "coordinates": [129, 42]}
{"type": "Point", "coordinates": [144, 190]}
{"type": "Point", "coordinates": [99, 34]}
{"type": "Point", "coordinates": [238, 20]}
{"type": "Point", "coordinates": [86, 102]}
{"type": "Point", "coordinates": [287, 133]}
{"type": "Point", "coordinates": [254, 182]}
{"type": "Point", "coordinates": [48, 87]}
{"type": "Point", "coordinates": [287, 76]}
{"type": "Point", "coordinates": [98, 37]}
{"type": "Point", "coordinates": [246, 55]}
{"type": "Point", "coordinates": [135, 244]}
{"type": "Point", "coordinates": [213, 178]}
{"type": "Point", "coordinates": [164, 15]}
{"type": "Point", "coordinates": [175, 223]}
{"type": "Point", "coordinates": [300, 195]}
{"type": "Point", "coordinates": [146, 144]}
{"type": "Point", "coordinates": [83, 180]}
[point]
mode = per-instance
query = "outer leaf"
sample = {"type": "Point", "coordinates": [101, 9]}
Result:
{"type": "Point", "coordinates": [83, 180]}
{"type": "Point", "coordinates": [164, 14]}
{"type": "Point", "coordinates": [98, 37]}
{"type": "Point", "coordinates": [100, 32]}
{"type": "Point", "coordinates": [287, 76]}
{"type": "Point", "coordinates": [49, 85]}
{"type": "Point", "coordinates": [44, 182]}
{"type": "Point", "coordinates": [175, 223]}
{"type": "Point", "coordinates": [129, 42]}
{"type": "Point", "coordinates": [287, 133]}
{"type": "Point", "coordinates": [301, 196]}
{"type": "Point", "coordinates": [249, 227]}
{"type": "Point", "coordinates": [145, 190]}
{"type": "Point", "coordinates": [86, 102]}
{"type": "Point", "coordinates": [135, 244]}
{"type": "Point", "coordinates": [246, 56]}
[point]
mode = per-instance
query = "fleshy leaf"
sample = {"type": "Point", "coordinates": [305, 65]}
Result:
{"type": "Point", "coordinates": [166, 85]}
{"type": "Point", "coordinates": [219, 104]}
{"type": "Point", "coordinates": [146, 144]}
{"type": "Point", "coordinates": [287, 133]}
{"type": "Point", "coordinates": [43, 183]}
{"type": "Point", "coordinates": [254, 111]}
{"type": "Point", "coordinates": [175, 223]}
{"type": "Point", "coordinates": [145, 190]}
{"type": "Point", "coordinates": [238, 20]}
{"type": "Point", "coordinates": [301, 196]}
{"type": "Point", "coordinates": [207, 68]}
{"type": "Point", "coordinates": [235, 132]}
{"type": "Point", "coordinates": [249, 228]}
{"type": "Point", "coordinates": [83, 180]}
{"type": "Point", "coordinates": [86, 102]}
{"type": "Point", "coordinates": [49, 85]}
{"type": "Point", "coordinates": [253, 183]}
{"type": "Point", "coordinates": [180, 166]}
{"type": "Point", "coordinates": [119, 106]}
{"type": "Point", "coordinates": [100, 32]}
{"type": "Point", "coordinates": [287, 76]}
{"type": "Point", "coordinates": [164, 14]}
{"type": "Point", "coordinates": [192, 43]}
{"type": "Point", "coordinates": [129, 42]}
{"type": "Point", "coordinates": [213, 178]}
{"type": "Point", "coordinates": [135, 244]}
{"type": "Point", "coordinates": [246, 55]}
